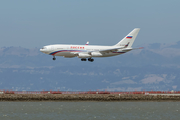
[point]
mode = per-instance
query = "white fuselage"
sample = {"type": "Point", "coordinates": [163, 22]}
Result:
{"type": "Point", "coordinates": [76, 50]}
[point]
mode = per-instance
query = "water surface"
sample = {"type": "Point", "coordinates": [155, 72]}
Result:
{"type": "Point", "coordinates": [89, 110]}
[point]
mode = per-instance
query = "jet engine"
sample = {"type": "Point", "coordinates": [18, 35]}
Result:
{"type": "Point", "coordinates": [84, 55]}
{"type": "Point", "coordinates": [96, 54]}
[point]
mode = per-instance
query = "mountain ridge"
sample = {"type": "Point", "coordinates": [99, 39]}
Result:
{"type": "Point", "coordinates": [156, 67]}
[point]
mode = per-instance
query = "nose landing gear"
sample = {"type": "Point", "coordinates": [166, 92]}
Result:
{"type": "Point", "coordinates": [54, 58]}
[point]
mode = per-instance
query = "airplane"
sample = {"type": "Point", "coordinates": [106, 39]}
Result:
{"type": "Point", "coordinates": [87, 52]}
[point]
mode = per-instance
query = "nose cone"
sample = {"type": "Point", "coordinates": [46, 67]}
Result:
{"type": "Point", "coordinates": [45, 50]}
{"type": "Point", "coordinates": [41, 50]}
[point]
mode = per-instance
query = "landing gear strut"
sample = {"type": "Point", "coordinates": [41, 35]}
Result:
{"type": "Point", "coordinates": [54, 58]}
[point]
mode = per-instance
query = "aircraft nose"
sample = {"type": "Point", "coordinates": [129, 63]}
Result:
{"type": "Point", "coordinates": [44, 50]}
{"type": "Point", "coordinates": [41, 50]}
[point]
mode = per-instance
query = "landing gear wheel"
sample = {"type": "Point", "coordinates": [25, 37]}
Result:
{"type": "Point", "coordinates": [83, 59]}
{"type": "Point", "coordinates": [90, 59]}
{"type": "Point", "coordinates": [54, 58]}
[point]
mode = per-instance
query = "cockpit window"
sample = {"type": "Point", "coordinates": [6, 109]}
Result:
{"type": "Point", "coordinates": [44, 48]}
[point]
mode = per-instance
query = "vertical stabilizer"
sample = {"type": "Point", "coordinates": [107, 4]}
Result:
{"type": "Point", "coordinates": [129, 39]}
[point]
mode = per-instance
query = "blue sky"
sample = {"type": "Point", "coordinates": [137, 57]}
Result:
{"type": "Point", "coordinates": [36, 23]}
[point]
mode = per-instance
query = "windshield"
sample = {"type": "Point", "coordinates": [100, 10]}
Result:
{"type": "Point", "coordinates": [44, 48]}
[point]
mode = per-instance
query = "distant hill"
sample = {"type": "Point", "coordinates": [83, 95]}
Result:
{"type": "Point", "coordinates": [156, 67]}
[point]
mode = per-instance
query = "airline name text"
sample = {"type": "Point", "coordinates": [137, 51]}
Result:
{"type": "Point", "coordinates": [77, 47]}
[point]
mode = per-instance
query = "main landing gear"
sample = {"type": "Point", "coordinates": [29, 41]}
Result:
{"type": "Point", "coordinates": [83, 59]}
{"type": "Point", "coordinates": [89, 59]}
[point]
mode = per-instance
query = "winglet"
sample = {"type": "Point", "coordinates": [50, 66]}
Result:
{"type": "Point", "coordinates": [87, 43]}
{"type": "Point", "coordinates": [127, 45]}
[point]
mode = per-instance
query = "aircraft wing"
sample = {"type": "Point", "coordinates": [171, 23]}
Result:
{"type": "Point", "coordinates": [110, 50]}
{"type": "Point", "coordinates": [128, 49]}
{"type": "Point", "coordinates": [115, 49]}
{"type": "Point", "coordinates": [102, 51]}
{"type": "Point", "coordinates": [106, 50]}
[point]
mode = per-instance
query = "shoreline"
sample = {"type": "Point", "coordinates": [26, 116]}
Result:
{"type": "Point", "coordinates": [86, 97]}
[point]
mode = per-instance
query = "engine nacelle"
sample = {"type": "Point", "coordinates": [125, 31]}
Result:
{"type": "Point", "coordinates": [96, 54]}
{"type": "Point", "coordinates": [84, 55]}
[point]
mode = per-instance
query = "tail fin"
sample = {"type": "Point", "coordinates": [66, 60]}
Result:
{"type": "Point", "coordinates": [129, 39]}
